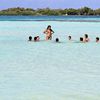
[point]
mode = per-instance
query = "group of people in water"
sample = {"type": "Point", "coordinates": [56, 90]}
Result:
{"type": "Point", "coordinates": [48, 32]}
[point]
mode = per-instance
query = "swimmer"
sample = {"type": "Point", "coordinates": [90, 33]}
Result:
{"type": "Point", "coordinates": [36, 38]}
{"type": "Point", "coordinates": [97, 39]}
{"type": "Point", "coordinates": [81, 39]}
{"type": "Point", "coordinates": [86, 39]}
{"type": "Point", "coordinates": [30, 38]}
{"type": "Point", "coordinates": [57, 40]}
{"type": "Point", "coordinates": [69, 38]}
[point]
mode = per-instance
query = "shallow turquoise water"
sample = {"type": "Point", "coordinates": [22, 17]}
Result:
{"type": "Point", "coordinates": [51, 18]}
{"type": "Point", "coordinates": [47, 70]}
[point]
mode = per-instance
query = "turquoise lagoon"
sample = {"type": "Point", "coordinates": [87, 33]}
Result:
{"type": "Point", "coordinates": [47, 70]}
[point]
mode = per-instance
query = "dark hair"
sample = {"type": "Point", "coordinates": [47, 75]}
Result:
{"type": "Point", "coordinates": [57, 39]}
{"type": "Point", "coordinates": [81, 39]}
{"type": "Point", "coordinates": [30, 38]}
{"type": "Point", "coordinates": [69, 37]}
{"type": "Point", "coordinates": [97, 38]}
{"type": "Point", "coordinates": [48, 26]}
{"type": "Point", "coordinates": [86, 35]}
{"type": "Point", "coordinates": [35, 38]}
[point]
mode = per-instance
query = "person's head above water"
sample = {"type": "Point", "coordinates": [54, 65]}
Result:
{"type": "Point", "coordinates": [35, 38]}
{"type": "Point", "coordinates": [86, 39]}
{"type": "Point", "coordinates": [97, 39]}
{"type": "Point", "coordinates": [81, 39]}
{"type": "Point", "coordinates": [30, 38]}
{"type": "Point", "coordinates": [69, 37]}
{"type": "Point", "coordinates": [57, 39]}
{"type": "Point", "coordinates": [86, 36]}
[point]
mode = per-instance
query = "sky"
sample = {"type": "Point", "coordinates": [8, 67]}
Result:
{"type": "Point", "coordinates": [55, 4]}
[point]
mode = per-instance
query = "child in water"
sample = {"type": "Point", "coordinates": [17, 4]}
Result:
{"type": "Point", "coordinates": [48, 33]}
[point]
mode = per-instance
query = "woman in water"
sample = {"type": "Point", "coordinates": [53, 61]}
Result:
{"type": "Point", "coordinates": [48, 33]}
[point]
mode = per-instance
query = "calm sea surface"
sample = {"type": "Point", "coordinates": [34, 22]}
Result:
{"type": "Point", "coordinates": [47, 70]}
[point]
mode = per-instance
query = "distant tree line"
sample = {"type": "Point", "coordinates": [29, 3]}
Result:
{"type": "Point", "coordinates": [48, 11]}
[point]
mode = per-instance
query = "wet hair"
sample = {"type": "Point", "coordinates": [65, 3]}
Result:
{"type": "Point", "coordinates": [49, 26]}
{"type": "Point", "coordinates": [35, 38]}
{"type": "Point", "coordinates": [86, 35]}
{"type": "Point", "coordinates": [30, 38]}
{"type": "Point", "coordinates": [69, 37]}
{"type": "Point", "coordinates": [97, 38]}
{"type": "Point", "coordinates": [81, 39]}
{"type": "Point", "coordinates": [57, 39]}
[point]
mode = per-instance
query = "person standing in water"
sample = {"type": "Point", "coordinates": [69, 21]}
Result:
{"type": "Point", "coordinates": [48, 33]}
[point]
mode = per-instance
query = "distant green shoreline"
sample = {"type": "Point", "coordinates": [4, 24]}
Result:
{"type": "Point", "coordinates": [49, 12]}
